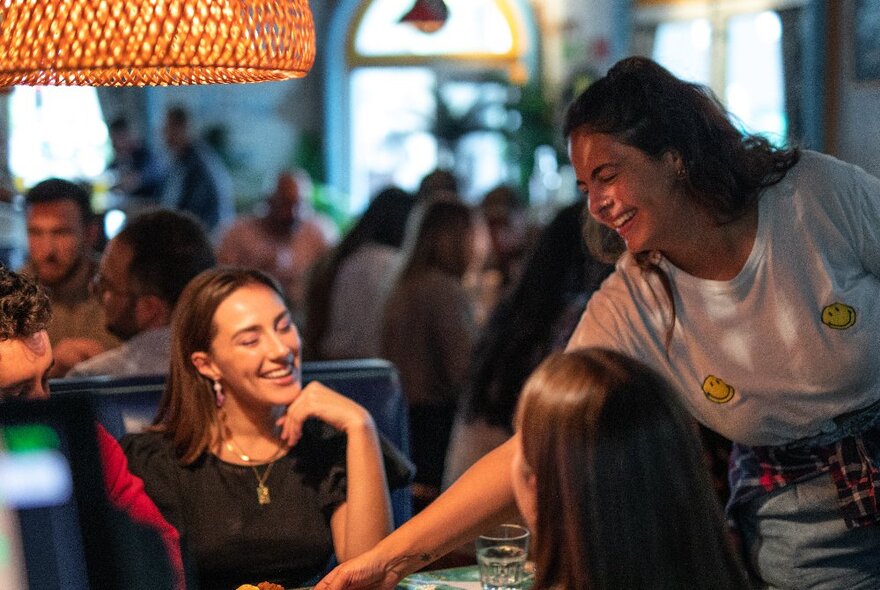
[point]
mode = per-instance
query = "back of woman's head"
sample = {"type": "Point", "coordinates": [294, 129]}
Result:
{"type": "Point", "coordinates": [442, 240]}
{"type": "Point", "coordinates": [623, 494]}
{"type": "Point", "coordinates": [386, 216]}
{"type": "Point", "coordinates": [187, 411]}
{"type": "Point", "coordinates": [525, 325]}
{"type": "Point", "coordinates": [644, 106]}
{"type": "Point", "coordinates": [384, 222]}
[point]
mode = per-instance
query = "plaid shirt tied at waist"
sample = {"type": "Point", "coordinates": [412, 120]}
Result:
{"type": "Point", "coordinates": [850, 460]}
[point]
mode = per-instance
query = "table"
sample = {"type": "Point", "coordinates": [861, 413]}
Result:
{"type": "Point", "coordinates": [456, 578]}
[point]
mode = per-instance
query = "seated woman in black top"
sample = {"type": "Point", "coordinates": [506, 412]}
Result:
{"type": "Point", "coordinates": [257, 494]}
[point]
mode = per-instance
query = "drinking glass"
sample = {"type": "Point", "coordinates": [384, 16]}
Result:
{"type": "Point", "coordinates": [501, 555]}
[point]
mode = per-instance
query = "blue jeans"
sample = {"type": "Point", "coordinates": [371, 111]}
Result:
{"type": "Point", "coordinates": [795, 538]}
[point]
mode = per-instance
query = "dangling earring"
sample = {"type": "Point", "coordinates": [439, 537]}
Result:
{"type": "Point", "coordinates": [219, 396]}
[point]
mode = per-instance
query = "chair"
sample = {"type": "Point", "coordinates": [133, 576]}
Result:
{"type": "Point", "coordinates": [122, 404]}
{"type": "Point", "coordinates": [128, 404]}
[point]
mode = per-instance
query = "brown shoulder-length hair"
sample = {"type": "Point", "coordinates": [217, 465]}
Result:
{"type": "Point", "coordinates": [187, 411]}
{"type": "Point", "coordinates": [624, 498]}
{"type": "Point", "coordinates": [437, 239]}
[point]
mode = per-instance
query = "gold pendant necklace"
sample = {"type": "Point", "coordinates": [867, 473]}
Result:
{"type": "Point", "coordinates": [263, 496]}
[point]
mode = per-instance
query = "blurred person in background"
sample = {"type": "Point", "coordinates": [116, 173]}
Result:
{"type": "Point", "coordinates": [142, 272]}
{"type": "Point", "coordinates": [535, 318]}
{"type": "Point", "coordinates": [429, 332]}
{"type": "Point", "coordinates": [346, 292]}
{"type": "Point", "coordinates": [283, 240]}
{"type": "Point", "coordinates": [137, 172]}
{"type": "Point", "coordinates": [61, 236]}
{"type": "Point", "coordinates": [197, 179]}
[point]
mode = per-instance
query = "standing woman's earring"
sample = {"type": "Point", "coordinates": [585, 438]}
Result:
{"type": "Point", "coordinates": [218, 394]}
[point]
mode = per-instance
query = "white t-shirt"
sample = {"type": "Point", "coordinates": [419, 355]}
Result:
{"type": "Point", "coordinates": [773, 355]}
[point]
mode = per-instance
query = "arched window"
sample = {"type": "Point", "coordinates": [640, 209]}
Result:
{"type": "Point", "coordinates": [56, 131]}
{"type": "Point", "coordinates": [401, 102]}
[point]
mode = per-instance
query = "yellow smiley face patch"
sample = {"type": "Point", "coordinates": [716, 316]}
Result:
{"type": "Point", "coordinates": [717, 390]}
{"type": "Point", "coordinates": [839, 316]}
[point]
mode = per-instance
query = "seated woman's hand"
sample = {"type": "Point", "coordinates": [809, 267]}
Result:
{"type": "Point", "coordinates": [321, 402]}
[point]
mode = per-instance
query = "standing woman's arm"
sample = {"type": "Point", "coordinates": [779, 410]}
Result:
{"type": "Point", "coordinates": [481, 497]}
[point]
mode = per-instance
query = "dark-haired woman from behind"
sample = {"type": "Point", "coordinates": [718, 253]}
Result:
{"type": "Point", "coordinates": [429, 331]}
{"type": "Point", "coordinates": [535, 318]}
{"type": "Point", "coordinates": [610, 476]}
{"type": "Point", "coordinates": [346, 290]}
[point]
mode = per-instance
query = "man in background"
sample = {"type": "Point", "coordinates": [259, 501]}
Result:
{"type": "Point", "coordinates": [25, 362]}
{"type": "Point", "coordinates": [141, 275]}
{"type": "Point", "coordinates": [282, 240]}
{"type": "Point", "coordinates": [137, 172]}
{"type": "Point", "coordinates": [197, 180]}
{"type": "Point", "coordinates": [61, 234]}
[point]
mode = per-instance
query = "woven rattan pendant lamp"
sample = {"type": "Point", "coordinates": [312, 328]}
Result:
{"type": "Point", "coordinates": [154, 42]}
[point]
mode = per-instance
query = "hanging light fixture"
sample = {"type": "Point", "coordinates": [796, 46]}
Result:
{"type": "Point", "coordinates": [427, 16]}
{"type": "Point", "coordinates": [154, 42]}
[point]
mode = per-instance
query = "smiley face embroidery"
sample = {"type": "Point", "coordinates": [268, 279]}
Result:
{"type": "Point", "coordinates": [717, 390]}
{"type": "Point", "coordinates": [839, 316]}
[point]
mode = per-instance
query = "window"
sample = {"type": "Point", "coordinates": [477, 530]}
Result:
{"type": "Point", "coordinates": [413, 101]}
{"type": "Point", "coordinates": [735, 49]}
{"type": "Point", "coordinates": [56, 131]}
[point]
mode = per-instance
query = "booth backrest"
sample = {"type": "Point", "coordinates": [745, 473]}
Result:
{"type": "Point", "coordinates": [122, 404]}
{"type": "Point", "coordinates": [128, 404]}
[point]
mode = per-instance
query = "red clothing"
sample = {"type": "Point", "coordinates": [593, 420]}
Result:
{"type": "Point", "coordinates": [126, 492]}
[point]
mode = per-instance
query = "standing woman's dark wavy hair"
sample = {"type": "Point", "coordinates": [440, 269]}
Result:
{"type": "Point", "coordinates": [623, 493]}
{"type": "Point", "coordinates": [642, 105]}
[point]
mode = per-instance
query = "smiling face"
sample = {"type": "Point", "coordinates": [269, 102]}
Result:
{"type": "Point", "coordinates": [256, 351]}
{"type": "Point", "coordinates": [630, 192]}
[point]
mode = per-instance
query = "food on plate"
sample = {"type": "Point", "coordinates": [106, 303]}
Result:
{"type": "Point", "coordinates": [261, 586]}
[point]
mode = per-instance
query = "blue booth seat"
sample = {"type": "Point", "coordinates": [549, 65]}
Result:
{"type": "Point", "coordinates": [128, 404]}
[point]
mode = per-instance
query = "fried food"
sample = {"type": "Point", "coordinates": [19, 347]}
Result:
{"type": "Point", "coordinates": [261, 586]}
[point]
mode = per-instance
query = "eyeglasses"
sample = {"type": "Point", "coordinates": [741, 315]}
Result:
{"type": "Point", "coordinates": [98, 286]}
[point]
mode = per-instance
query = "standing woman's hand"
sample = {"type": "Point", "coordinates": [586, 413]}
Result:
{"type": "Point", "coordinates": [365, 572]}
{"type": "Point", "coordinates": [318, 401]}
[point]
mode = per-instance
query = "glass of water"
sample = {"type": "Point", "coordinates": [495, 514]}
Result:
{"type": "Point", "coordinates": [501, 554]}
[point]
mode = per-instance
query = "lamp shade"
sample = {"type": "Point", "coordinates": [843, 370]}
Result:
{"type": "Point", "coordinates": [154, 42]}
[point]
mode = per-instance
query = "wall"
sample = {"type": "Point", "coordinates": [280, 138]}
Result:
{"type": "Point", "coordinates": [857, 123]}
